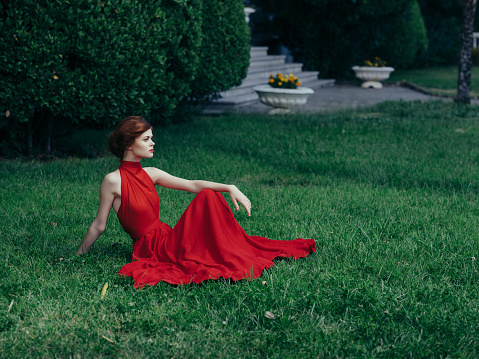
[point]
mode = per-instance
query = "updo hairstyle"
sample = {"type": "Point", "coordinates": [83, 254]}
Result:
{"type": "Point", "coordinates": [125, 134]}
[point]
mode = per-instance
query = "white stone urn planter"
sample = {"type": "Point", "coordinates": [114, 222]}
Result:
{"type": "Point", "coordinates": [372, 75]}
{"type": "Point", "coordinates": [283, 100]}
{"type": "Point", "coordinates": [247, 12]}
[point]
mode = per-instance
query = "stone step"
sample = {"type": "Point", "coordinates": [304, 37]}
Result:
{"type": "Point", "coordinates": [267, 61]}
{"type": "Point", "coordinates": [316, 84]}
{"type": "Point", "coordinates": [266, 70]}
{"type": "Point", "coordinates": [258, 51]}
{"type": "Point", "coordinates": [237, 100]}
{"type": "Point", "coordinates": [238, 91]}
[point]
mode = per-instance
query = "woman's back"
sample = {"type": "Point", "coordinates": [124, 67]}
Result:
{"type": "Point", "coordinates": [140, 204]}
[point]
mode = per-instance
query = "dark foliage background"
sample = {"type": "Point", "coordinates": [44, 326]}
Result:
{"type": "Point", "coordinates": [332, 35]}
{"type": "Point", "coordinates": [443, 22]}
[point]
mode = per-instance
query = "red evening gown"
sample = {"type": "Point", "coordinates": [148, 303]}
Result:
{"type": "Point", "coordinates": [206, 243]}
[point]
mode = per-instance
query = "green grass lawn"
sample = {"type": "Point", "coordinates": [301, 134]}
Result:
{"type": "Point", "coordinates": [437, 80]}
{"type": "Point", "coordinates": [389, 193]}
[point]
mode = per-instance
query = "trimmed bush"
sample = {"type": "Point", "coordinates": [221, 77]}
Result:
{"type": "Point", "coordinates": [331, 36]}
{"type": "Point", "coordinates": [225, 51]}
{"type": "Point", "coordinates": [404, 37]}
{"type": "Point", "coordinates": [95, 62]}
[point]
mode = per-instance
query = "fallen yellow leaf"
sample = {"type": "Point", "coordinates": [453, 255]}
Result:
{"type": "Point", "coordinates": [111, 341]}
{"type": "Point", "coordinates": [10, 306]}
{"type": "Point", "coordinates": [103, 291]}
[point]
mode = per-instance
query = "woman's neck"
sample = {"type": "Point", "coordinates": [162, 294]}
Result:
{"type": "Point", "coordinates": [131, 157]}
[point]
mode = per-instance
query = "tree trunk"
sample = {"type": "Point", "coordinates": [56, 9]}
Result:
{"type": "Point", "coordinates": [465, 62]}
{"type": "Point", "coordinates": [47, 134]}
{"type": "Point", "coordinates": [29, 139]}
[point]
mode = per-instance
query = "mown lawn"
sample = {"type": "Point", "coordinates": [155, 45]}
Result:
{"type": "Point", "coordinates": [389, 193]}
{"type": "Point", "coordinates": [437, 80]}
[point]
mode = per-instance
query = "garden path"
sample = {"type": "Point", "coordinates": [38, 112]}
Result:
{"type": "Point", "coordinates": [348, 97]}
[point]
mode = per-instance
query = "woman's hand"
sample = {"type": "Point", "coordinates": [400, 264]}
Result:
{"type": "Point", "coordinates": [238, 197]}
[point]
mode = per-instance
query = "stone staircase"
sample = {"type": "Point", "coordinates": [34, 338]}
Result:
{"type": "Point", "coordinates": [261, 66]}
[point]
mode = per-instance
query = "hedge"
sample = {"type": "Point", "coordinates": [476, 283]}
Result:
{"type": "Point", "coordinates": [68, 62]}
{"type": "Point", "coordinates": [224, 53]}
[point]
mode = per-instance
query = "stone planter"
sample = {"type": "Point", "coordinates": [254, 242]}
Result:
{"type": "Point", "coordinates": [372, 75]}
{"type": "Point", "coordinates": [283, 100]}
{"type": "Point", "coordinates": [247, 12]}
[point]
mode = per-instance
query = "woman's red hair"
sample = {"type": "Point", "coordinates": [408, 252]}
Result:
{"type": "Point", "coordinates": [125, 134]}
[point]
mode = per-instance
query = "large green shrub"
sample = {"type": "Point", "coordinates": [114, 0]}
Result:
{"type": "Point", "coordinates": [89, 61]}
{"type": "Point", "coordinates": [224, 54]}
{"type": "Point", "coordinates": [404, 37]}
{"type": "Point", "coordinates": [94, 61]}
{"type": "Point", "coordinates": [332, 35]}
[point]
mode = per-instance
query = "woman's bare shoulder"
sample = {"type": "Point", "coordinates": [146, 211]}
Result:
{"type": "Point", "coordinates": [112, 182]}
{"type": "Point", "coordinates": [112, 177]}
{"type": "Point", "coordinates": [154, 173]}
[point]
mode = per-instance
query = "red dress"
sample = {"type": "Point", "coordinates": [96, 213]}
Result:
{"type": "Point", "coordinates": [206, 243]}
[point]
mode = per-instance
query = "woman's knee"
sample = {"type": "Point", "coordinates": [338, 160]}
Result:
{"type": "Point", "coordinates": [206, 193]}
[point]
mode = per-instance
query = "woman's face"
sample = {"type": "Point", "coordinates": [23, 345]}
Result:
{"type": "Point", "coordinates": [143, 145]}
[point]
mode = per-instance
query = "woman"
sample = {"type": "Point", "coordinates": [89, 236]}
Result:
{"type": "Point", "coordinates": [206, 243]}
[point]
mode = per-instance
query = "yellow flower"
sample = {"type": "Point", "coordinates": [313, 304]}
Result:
{"type": "Point", "coordinates": [288, 81]}
{"type": "Point", "coordinates": [55, 77]}
{"type": "Point", "coordinates": [299, 84]}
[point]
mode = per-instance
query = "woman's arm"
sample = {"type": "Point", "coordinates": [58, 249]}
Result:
{"type": "Point", "coordinates": [107, 195]}
{"type": "Point", "coordinates": [164, 179]}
